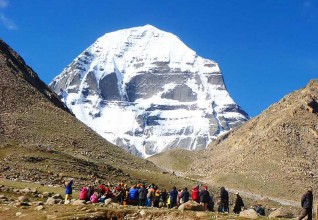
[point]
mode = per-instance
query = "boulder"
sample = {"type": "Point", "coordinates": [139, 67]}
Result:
{"type": "Point", "coordinates": [202, 215]}
{"type": "Point", "coordinates": [47, 194]}
{"type": "Point", "coordinates": [115, 205]}
{"type": "Point", "coordinates": [108, 201]}
{"type": "Point", "coordinates": [34, 190]}
{"type": "Point", "coordinates": [38, 203]}
{"type": "Point", "coordinates": [20, 204]}
{"type": "Point", "coordinates": [79, 202]}
{"type": "Point", "coordinates": [3, 198]}
{"type": "Point", "coordinates": [39, 208]}
{"type": "Point", "coordinates": [52, 201]}
{"type": "Point", "coordinates": [281, 213]}
{"type": "Point", "coordinates": [57, 196]}
{"type": "Point", "coordinates": [142, 213]}
{"type": "Point", "coordinates": [18, 214]}
{"type": "Point", "coordinates": [249, 213]}
{"type": "Point", "coordinates": [191, 205]}
{"type": "Point", "coordinates": [26, 190]}
{"type": "Point", "coordinates": [51, 217]}
{"type": "Point", "coordinates": [23, 199]}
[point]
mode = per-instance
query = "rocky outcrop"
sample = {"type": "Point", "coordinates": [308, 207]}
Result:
{"type": "Point", "coordinates": [146, 91]}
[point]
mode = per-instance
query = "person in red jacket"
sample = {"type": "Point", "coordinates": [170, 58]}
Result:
{"type": "Point", "coordinates": [102, 189]}
{"type": "Point", "coordinates": [84, 194]}
{"type": "Point", "coordinates": [195, 194]}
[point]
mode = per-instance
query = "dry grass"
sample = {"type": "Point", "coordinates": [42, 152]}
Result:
{"type": "Point", "coordinates": [177, 160]}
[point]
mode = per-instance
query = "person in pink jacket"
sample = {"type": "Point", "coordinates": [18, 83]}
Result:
{"type": "Point", "coordinates": [94, 198]}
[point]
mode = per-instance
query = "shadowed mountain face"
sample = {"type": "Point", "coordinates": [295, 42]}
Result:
{"type": "Point", "coordinates": [274, 153]}
{"type": "Point", "coordinates": [42, 141]}
{"type": "Point", "coordinates": [143, 89]}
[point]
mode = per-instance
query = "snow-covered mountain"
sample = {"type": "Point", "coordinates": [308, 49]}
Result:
{"type": "Point", "coordinates": [143, 89]}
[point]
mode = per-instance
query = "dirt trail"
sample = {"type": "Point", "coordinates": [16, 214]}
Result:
{"type": "Point", "coordinates": [259, 197]}
{"type": "Point", "coordinates": [251, 195]}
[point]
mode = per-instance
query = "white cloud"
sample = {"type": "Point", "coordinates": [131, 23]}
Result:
{"type": "Point", "coordinates": [4, 3]}
{"type": "Point", "coordinates": [7, 22]}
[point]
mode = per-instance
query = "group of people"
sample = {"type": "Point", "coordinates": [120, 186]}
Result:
{"type": "Point", "coordinates": [152, 196]}
{"type": "Point", "coordinates": [143, 195]}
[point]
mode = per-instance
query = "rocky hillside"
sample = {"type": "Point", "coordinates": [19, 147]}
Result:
{"type": "Point", "coordinates": [42, 141]}
{"type": "Point", "coordinates": [12, 63]}
{"type": "Point", "coordinates": [143, 89]}
{"type": "Point", "coordinates": [273, 154]}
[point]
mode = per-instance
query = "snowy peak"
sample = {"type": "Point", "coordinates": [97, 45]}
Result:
{"type": "Point", "coordinates": [145, 90]}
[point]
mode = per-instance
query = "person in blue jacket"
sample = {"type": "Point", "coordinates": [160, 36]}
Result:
{"type": "Point", "coordinates": [173, 197]}
{"type": "Point", "coordinates": [68, 191]}
{"type": "Point", "coordinates": [133, 195]}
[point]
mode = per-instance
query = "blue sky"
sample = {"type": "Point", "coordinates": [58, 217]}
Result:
{"type": "Point", "coordinates": [265, 49]}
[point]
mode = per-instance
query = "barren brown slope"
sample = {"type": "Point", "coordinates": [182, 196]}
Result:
{"type": "Point", "coordinates": [41, 141]}
{"type": "Point", "coordinates": [174, 160]}
{"type": "Point", "coordinates": [274, 154]}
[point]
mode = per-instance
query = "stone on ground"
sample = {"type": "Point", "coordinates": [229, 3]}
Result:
{"type": "Point", "coordinates": [281, 213]}
{"type": "Point", "coordinates": [191, 205]}
{"type": "Point", "coordinates": [249, 213]}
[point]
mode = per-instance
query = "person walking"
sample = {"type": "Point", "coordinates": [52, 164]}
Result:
{"type": "Point", "coordinates": [306, 204]}
{"type": "Point", "coordinates": [68, 191]}
{"type": "Point", "coordinates": [238, 204]}
{"type": "Point", "coordinates": [224, 204]}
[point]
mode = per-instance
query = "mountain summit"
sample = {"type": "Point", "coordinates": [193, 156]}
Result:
{"type": "Point", "coordinates": [143, 89]}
